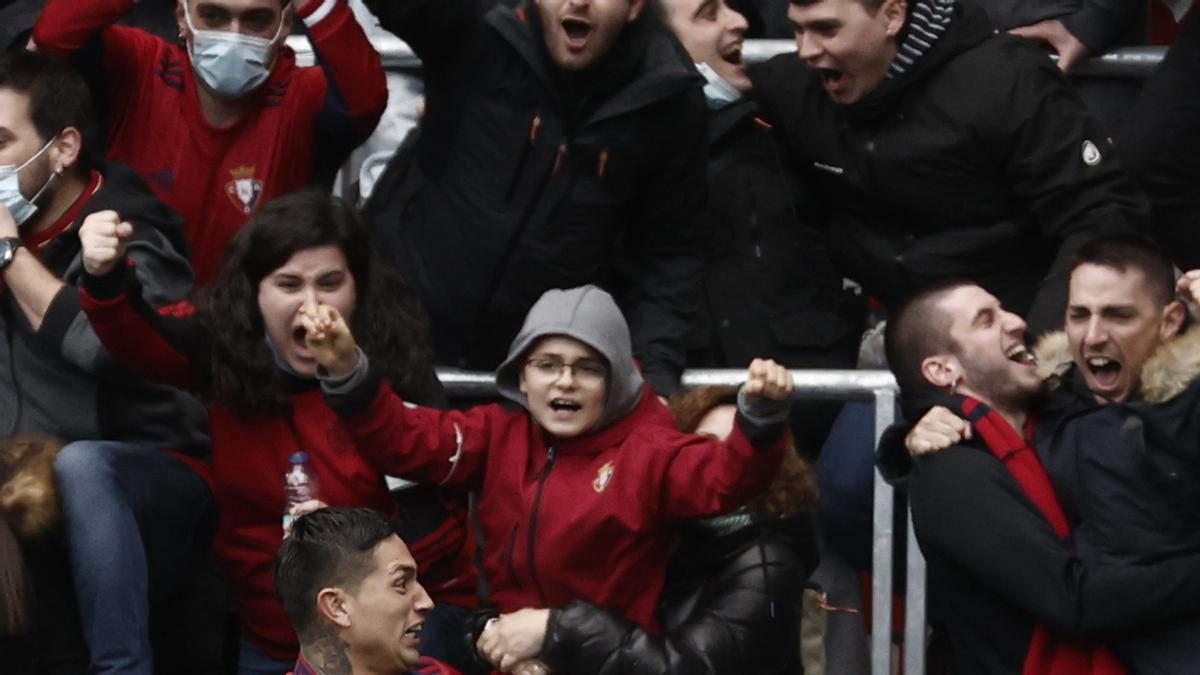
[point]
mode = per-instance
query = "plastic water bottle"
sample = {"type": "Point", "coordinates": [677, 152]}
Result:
{"type": "Point", "coordinates": [299, 485]}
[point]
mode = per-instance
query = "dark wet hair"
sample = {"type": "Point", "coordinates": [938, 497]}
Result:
{"type": "Point", "coordinates": [1122, 252]}
{"type": "Point", "coordinates": [328, 547]}
{"type": "Point", "coordinates": [58, 96]}
{"type": "Point", "coordinates": [388, 322]}
{"type": "Point", "coordinates": [917, 329]}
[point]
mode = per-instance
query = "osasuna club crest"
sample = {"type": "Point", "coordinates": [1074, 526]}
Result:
{"type": "Point", "coordinates": [244, 190]}
{"type": "Point", "coordinates": [603, 476]}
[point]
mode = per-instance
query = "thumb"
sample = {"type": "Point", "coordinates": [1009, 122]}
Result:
{"type": "Point", "coordinates": [1033, 32]}
{"type": "Point", "coordinates": [124, 229]}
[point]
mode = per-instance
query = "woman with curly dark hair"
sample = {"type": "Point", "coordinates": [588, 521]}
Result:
{"type": "Point", "coordinates": [242, 347]}
{"type": "Point", "coordinates": [732, 600]}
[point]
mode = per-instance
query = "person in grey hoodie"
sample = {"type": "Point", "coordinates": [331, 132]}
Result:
{"type": "Point", "coordinates": [578, 487]}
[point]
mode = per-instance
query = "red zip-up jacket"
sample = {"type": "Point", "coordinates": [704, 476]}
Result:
{"type": "Point", "coordinates": [585, 518]}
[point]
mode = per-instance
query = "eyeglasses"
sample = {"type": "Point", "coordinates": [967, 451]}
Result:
{"type": "Point", "coordinates": [586, 371]}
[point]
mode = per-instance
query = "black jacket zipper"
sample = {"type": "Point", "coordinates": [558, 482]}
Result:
{"type": "Point", "coordinates": [533, 518]}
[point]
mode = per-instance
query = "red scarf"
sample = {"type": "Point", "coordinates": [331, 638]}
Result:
{"type": "Point", "coordinates": [1048, 654]}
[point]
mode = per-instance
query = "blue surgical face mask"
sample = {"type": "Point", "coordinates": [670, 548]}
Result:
{"type": "Point", "coordinates": [717, 91]}
{"type": "Point", "coordinates": [230, 64]}
{"type": "Point", "coordinates": [22, 209]}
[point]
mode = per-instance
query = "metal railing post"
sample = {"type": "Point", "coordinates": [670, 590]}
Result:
{"type": "Point", "coordinates": [914, 604]}
{"type": "Point", "coordinates": [882, 549]}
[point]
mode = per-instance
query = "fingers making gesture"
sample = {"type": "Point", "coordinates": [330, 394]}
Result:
{"type": "Point", "coordinates": [328, 339]}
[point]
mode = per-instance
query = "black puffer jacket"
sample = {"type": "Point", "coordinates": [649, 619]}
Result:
{"type": "Point", "coordinates": [526, 179]}
{"type": "Point", "coordinates": [980, 162]}
{"type": "Point", "coordinates": [724, 610]}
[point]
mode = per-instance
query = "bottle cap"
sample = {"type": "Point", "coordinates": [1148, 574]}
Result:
{"type": "Point", "coordinates": [298, 457]}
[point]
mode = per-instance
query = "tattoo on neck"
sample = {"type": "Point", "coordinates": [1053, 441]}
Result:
{"type": "Point", "coordinates": [328, 656]}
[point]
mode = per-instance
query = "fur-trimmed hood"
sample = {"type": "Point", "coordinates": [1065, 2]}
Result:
{"type": "Point", "coordinates": [1172, 367]}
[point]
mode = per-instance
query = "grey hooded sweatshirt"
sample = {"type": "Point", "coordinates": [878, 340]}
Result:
{"type": "Point", "coordinates": [590, 315]}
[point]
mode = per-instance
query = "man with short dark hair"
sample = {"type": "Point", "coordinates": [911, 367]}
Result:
{"type": "Point", "coordinates": [562, 144]}
{"type": "Point", "coordinates": [944, 150]}
{"type": "Point", "coordinates": [132, 515]}
{"type": "Point", "coordinates": [1009, 587]}
{"type": "Point", "coordinates": [349, 587]}
{"type": "Point", "coordinates": [226, 119]}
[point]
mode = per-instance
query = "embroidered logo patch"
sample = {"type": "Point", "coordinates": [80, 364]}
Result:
{"type": "Point", "coordinates": [244, 190]}
{"type": "Point", "coordinates": [603, 477]}
{"type": "Point", "coordinates": [1091, 154]}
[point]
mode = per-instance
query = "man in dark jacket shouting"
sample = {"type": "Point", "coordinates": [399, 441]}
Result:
{"type": "Point", "coordinates": [945, 150]}
{"type": "Point", "coordinates": [562, 144]}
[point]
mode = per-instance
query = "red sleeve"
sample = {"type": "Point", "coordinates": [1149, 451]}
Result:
{"type": "Point", "coordinates": [66, 26]}
{"type": "Point", "coordinates": [134, 343]}
{"type": "Point", "coordinates": [707, 477]}
{"type": "Point", "coordinates": [357, 86]}
{"type": "Point", "coordinates": [443, 447]}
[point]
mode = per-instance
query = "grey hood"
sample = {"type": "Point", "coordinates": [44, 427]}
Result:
{"type": "Point", "coordinates": [590, 315]}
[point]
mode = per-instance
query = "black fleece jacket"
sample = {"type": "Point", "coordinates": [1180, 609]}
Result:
{"type": "Point", "coordinates": [59, 379]}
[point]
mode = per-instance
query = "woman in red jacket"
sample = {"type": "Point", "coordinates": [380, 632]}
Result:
{"type": "Point", "coordinates": [245, 350]}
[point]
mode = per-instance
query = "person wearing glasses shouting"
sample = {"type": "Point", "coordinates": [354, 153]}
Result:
{"type": "Point", "coordinates": [579, 489]}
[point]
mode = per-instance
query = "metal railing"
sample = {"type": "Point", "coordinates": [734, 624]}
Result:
{"type": "Point", "coordinates": [862, 385]}
{"type": "Point", "coordinates": [1137, 62]}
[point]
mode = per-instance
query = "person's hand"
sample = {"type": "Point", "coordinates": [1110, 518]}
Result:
{"type": "Point", "coordinates": [1052, 32]}
{"type": "Point", "coordinates": [936, 431]}
{"type": "Point", "coordinates": [769, 380]}
{"type": "Point", "coordinates": [511, 639]}
{"type": "Point", "coordinates": [103, 238]}
{"type": "Point", "coordinates": [1188, 287]}
{"type": "Point", "coordinates": [299, 510]}
{"type": "Point", "coordinates": [328, 339]}
{"type": "Point", "coordinates": [8, 224]}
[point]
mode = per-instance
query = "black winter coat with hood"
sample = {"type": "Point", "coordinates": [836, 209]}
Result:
{"type": "Point", "coordinates": [978, 161]}
{"type": "Point", "coordinates": [526, 178]}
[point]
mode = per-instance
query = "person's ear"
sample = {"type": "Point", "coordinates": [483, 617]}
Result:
{"type": "Point", "coordinates": [181, 20]}
{"type": "Point", "coordinates": [941, 370]}
{"type": "Point", "coordinates": [66, 150]}
{"type": "Point", "coordinates": [1173, 317]}
{"type": "Point", "coordinates": [635, 10]}
{"type": "Point", "coordinates": [895, 12]}
{"type": "Point", "coordinates": [333, 606]}
{"type": "Point", "coordinates": [521, 382]}
{"type": "Point", "coordinates": [288, 18]}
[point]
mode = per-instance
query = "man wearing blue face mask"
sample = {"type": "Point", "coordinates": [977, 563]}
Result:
{"type": "Point", "coordinates": [130, 512]}
{"type": "Point", "coordinates": [225, 120]}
